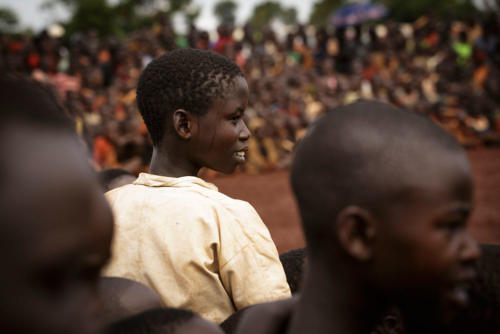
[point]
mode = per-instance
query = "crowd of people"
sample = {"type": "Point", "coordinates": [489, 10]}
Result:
{"type": "Point", "coordinates": [384, 213]}
{"type": "Point", "coordinates": [384, 192]}
{"type": "Point", "coordinates": [448, 70]}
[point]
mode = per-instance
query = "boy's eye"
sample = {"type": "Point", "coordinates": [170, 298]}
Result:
{"type": "Point", "coordinates": [236, 118]}
{"type": "Point", "coordinates": [454, 225]}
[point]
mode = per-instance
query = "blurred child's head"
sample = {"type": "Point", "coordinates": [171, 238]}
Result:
{"type": "Point", "coordinates": [293, 263]}
{"type": "Point", "coordinates": [387, 193]}
{"type": "Point", "coordinates": [56, 225]}
{"type": "Point", "coordinates": [122, 298]}
{"type": "Point", "coordinates": [192, 102]}
{"type": "Point", "coordinates": [164, 321]}
{"type": "Point", "coordinates": [114, 178]}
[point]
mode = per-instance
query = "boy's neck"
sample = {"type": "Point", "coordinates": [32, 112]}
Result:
{"type": "Point", "coordinates": [165, 164]}
{"type": "Point", "coordinates": [335, 301]}
{"type": "Point", "coordinates": [428, 318]}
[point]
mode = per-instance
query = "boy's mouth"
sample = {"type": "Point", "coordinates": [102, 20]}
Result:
{"type": "Point", "coordinates": [459, 295]}
{"type": "Point", "coordinates": [458, 292]}
{"type": "Point", "coordinates": [240, 156]}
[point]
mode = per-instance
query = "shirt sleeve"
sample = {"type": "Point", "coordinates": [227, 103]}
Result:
{"type": "Point", "coordinates": [250, 270]}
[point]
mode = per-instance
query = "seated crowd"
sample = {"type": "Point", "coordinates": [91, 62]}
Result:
{"type": "Point", "coordinates": [445, 68]}
{"type": "Point", "coordinates": [384, 196]}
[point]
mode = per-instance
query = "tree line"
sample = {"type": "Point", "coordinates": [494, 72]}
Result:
{"type": "Point", "coordinates": [124, 16]}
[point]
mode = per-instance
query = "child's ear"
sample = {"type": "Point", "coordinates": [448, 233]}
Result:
{"type": "Point", "coordinates": [356, 230]}
{"type": "Point", "coordinates": [182, 120]}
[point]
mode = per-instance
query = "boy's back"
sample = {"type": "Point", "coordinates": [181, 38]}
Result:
{"type": "Point", "coordinates": [197, 248]}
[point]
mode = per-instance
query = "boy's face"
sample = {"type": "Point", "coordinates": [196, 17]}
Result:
{"type": "Point", "coordinates": [220, 136]}
{"type": "Point", "coordinates": [424, 250]}
{"type": "Point", "coordinates": [55, 237]}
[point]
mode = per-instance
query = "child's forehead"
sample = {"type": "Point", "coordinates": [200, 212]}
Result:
{"type": "Point", "coordinates": [235, 86]}
{"type": "Point", "coordinates": [48, 192]}
{"type": "Point", "coordinates": [234, 91]}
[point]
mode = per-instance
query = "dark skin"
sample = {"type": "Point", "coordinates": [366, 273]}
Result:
{"type": "Point", "coordinates": [198, 325]}
{"type": "Point", "coordinates": [123, 298]}
{"type": "Point", "coordinates": [266, 318]}
{"type": "Point", "coordinates": [216, 140]}
{"type": "Point", "coordinates": [385, 211]}
{"type": "Point", "coordinates": [56, 234]}
{"type": "Point", "coordinates": [418, 249]}
{"type": "Point", "coordinates": [419, 244]}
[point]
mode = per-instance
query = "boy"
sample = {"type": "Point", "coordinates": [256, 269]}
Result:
{"type": "Point", "coordinates": [197, 248]}
{"type": "Point", "coordinates": [56, 226]}
{"type": "Point", "coordinates": [165, 321]}
{"type": "Point", "coordinates": [384, 197]}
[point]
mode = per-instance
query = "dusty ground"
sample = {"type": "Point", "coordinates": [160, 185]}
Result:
{"type": "Point", "coordinates": [271, 195]}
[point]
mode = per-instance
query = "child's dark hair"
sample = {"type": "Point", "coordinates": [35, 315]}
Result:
{"type": "Point", "coordinates": [25, 101]}
{"type": "Point", "coordinates": [186, 79]}
{"type": "Point", "coordinates": [157, 321]}
{"type": "Point", "coordinates": [293, 263]}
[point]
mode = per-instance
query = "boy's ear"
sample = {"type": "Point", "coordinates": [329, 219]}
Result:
{"type": "Point", "coordinates": [182, 120]}
{"type": "Point", "coordinates": [356, 230]}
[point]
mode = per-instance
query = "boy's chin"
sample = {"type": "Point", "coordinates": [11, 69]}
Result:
{"type": "Point", "coordinates": [452, 303]}
{"type": "Point", "coordinates": [457, 296]}
{"type": "Point", "coordinates": [444, 302]}
{"type": "Point", "coordinates": [227, 169]}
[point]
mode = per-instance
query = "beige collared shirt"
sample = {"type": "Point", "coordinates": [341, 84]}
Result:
{"type": "Point", "coordinates": [197, 248]}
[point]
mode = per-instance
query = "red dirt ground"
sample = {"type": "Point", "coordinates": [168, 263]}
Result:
{"type": "Point", "coordinates": [271, 196]}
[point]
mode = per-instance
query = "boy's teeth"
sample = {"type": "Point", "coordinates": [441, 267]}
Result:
{"type": "Point", "coordinates": [240, 154]}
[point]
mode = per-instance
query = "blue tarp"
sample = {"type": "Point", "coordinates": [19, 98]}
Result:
{"type": "Point", "coordinates": [356, 13]}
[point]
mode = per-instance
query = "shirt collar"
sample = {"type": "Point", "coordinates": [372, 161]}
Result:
{"type": "Point", "coordinates": [152, 180]}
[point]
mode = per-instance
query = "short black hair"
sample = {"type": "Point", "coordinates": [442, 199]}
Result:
{"type": "Point", "coordinates": [186, 79]}
{"type": "Point", "coordinates": [293, 263]}
{"type": "Point", "coordinates": [157, 321]}
{"type": "Point", "coordinates": [28, 102]}
{"type": "Point", "coordinates": [362, 154]}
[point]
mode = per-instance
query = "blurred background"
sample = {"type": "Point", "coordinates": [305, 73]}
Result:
{"type": "Point", "coordinates": [301, 58]}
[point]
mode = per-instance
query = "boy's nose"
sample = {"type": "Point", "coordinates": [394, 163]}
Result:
{"type": "Point", "coordinates": [470, 249]}
{"type": "Point", "coordinates": [244, 133]}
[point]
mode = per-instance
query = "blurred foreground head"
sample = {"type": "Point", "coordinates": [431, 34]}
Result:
{"type": "Point", "coordinates": [122, 298]}
{"type": "Point", "coordinates": [56, 226]}
{"type": "Point", "coordinates": [164, 321]}
{"type": "Point", "coordinates": [386, 194]}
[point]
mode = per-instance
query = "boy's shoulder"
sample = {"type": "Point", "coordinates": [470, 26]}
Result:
{"type": "Point", "coordinates": [234, 205]}
{"type": "Point", "coordinates": [125, 190]}
{"type": "Point", "coordinates": [115, 191]}
{"type": "Point", "coordinates": [201, 194]}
